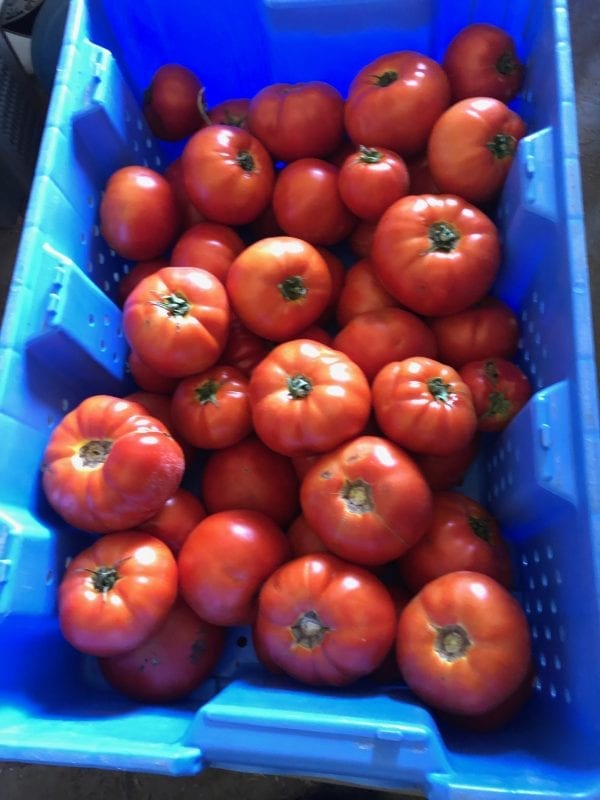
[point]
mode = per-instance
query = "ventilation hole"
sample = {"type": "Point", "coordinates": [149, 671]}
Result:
{"type": "Point", "coordinates": [524, 560]}
{"type": "Point", "coordinates": [567, 696]}
{"type": "Point", "coordinates": [101, 258]}
{"type": "Point", "coordinates": [96, 230]}
{"type": "Point", "coordinates": [558, 577]}
{"type": "Point", "coordinates": [136, 146]}
{"type": "Point", "coordinates": [106, 286]}
{"type": "Point", "coordinates": [106, 320]}
{"type": "Point", "coordinates": [534, 631]}
{"type": "Point", "coordinates": [542, 660]}
{"type": "Point", "coordinates": [557, 663]}
{"type": "Point", "coordinates": [127, 116]}
{"type": "Point", "coordinates": [562, 633]}
{"type": "Point", "coordinates": [544, 579]}
{"type": "Point", "coordinates": [524, 315]}
{"type": "Point", "coordinates": [126, 269]}
{"type": "Point", "coordinates": [544, 352]}
{"type": "Point", "coordinates": [538, 338]}
{"type": "Point", "coordinates": [50, 420]}
{"type": "Point", "coordinates": [241, 641]}
{"type": "Point", "coordinates": [537, 684]}
{"type": "Point", "coordinates": [553, 607]}
{"type": "Point", "coordinates": [549, 552]}
{"type": "Point", "coordinates": [64, 404]}
{"type": "Point", "coordinates": [509, 479]}
{"type": "Point", "coordinates": [552, 690]}
{"type": "Point", "coordinates": [536, 556]}
{"type": "Point", "coordinates": [158, 161]}
{"type": "Point", "coordinates": [91, 320]}
{"type": "Point", "coordinates": [145, 162]}
{"type": "Point", "coordinates": [120, 332]}
{"type": "Point", "coordinates": [102, 345]}
{"type": "Point", "coordinates": [112, 252]}
{"type": "Point", "coordinates": [534, 297]}
{"type": "Point", "coordinates": [90, 267]}
{"type": "Point", "coordinates": [526, 356]}
{"type": "Point", "coordinates": [539, 606]}
{"type": "Point", "coordinates": [83, 238]}
{"type": "Point", "coordinates": [531, 582]}
{"type": "Point", "coordinates": [532, 368]}
{"type": "Point", "coordinates": [517, 456]}
{"type": "Point", "coordinates": [547, 633]}
{"type": "Point", "coordinates": [530, 326]}
{"type": "Point", "coordinates": [115, 358]}
{"type": "Point", "coordinates": [139, 124]}
{"type": "Point", "coordinates": [148, 142]}
{"type": "Point", "coordinates": [49, 577]}
{"type": "Point", "coordinates": [502, 484]}
{"type": "Point", "coordinates": [116, 277]}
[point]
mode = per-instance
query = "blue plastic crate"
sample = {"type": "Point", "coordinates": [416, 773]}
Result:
{"type": "Point", "coordinates": [62, 340]}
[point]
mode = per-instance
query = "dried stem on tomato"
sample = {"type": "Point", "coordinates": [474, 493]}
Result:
{"type": "Point", "coordinates": [308, 630]}
{"type": "Point", "coordinates": [452, 642]}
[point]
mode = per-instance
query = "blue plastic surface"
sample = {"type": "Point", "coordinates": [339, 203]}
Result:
{"type": "Point", "coordinates": [61, 340]}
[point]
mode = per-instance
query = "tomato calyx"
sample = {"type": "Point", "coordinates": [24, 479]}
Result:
{"type": "Point", "coordinates": [507, 63]}
{"type": "Point", "coordinates": [245, 160]}
{"type": "Point", "coordinates": [452, 642]}
{"type": "Point", "coordinates": [207, 392]}
{"type": "Point", "coordinates": [299, 386]}
{"type": "Point", "coordinates": [443, 237]}
{"type": "Point", "coordinates": [386, 78]}
{"type": "Point", "coordinates": [481, 528]}
{"type": "Point", "coordinates": [292, 288]}
{"type": "Point", "coordinates": [498, 406]}
{"type": "Point", "coordinates": [104, 578]}
{"type": "Point", "coordinates": [358, 496]}
{"type": "Point", "coordinates": [503, 145]}
{"type": "Point", "coordinates": [490, 370]}
{"type": "Point", "coordinates": [175, 304]}
{"type": "Point", "coordinates": [308, 630]}
{"type": "Point", "coordinates": [369, 155]}
{"type": "Point", "coordinates": [439, 390]}
{"type": "Point", "coordinates": [94, 452]}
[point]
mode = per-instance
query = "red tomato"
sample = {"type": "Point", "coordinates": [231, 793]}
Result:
{"type": "Point", "coordinates": [139, 217]}
{"type": "Point", "coordinates": [307, 398]}
{"type": "Point", "coordinates": [488, 329]}
{"type": "Point", "coordinates": [176, 519]}
{"type": "Point", "coordinates": [116, 593]}
{"type": "Point", "coordinates": [472, 146]}
{"type": "Point", "coordinates": [371, 179]}
{"type": "Point", "coordinates": [445, 472]}
{"type": "Point", "coordinates": [316, 334]}
{"type": "Point", "coordinates": [303, 463]}
{"type": "Point", "coordinates": [208, 245]}
{"type": "Point", "coordinates": [171, 663]}
{"type": "Point", "coordinates": [228, 174]}
{"type": "Point", "coordinates": [394, 101]}
{"type": "Point", "coordinates": [249, 475]}
{"type": "Point", "coordinates": [188, 212]}
{"type": "Point", "coordinates": [499, 389]}
{"type": "Point", "coordinates": [225, 560]}
{"type": "Point", "coordinates": [231, 112]}
{"type": "Point", "coordinates": [463, 643]}
{"type": "Point", "coordinates": [212, 409]}
{"type": "Point", "coordinates": [297, 120]}
{"type": "Point", "coordinates": [362, 292]}
{"type": "Point", "coordinates": [337, 273]}
{"type": "Point", "coordinates": [361, 238]}
{"type": "Point", "coordinates": [148, 379]}
{"type": "Point", "coordinates": [243, 349]}
{"type": "Point", "coordinates": [462, 535]}
{"type": "Point", "coordinates": [367, 500]}
{"type": "Point", "coordinates": [307, 202]}
{"type": "Point", "coordinates": [159, 405]}
{"type": "Point", "coordinates": [264, 225]}
{"type": "Point", "coordinates": [177, 320]}
{"type": "Point", "coordinates": [436, 254]}
{"type": "Point", "coordinates": [174, 102]}
{"type": "Point", "coordinates": [481, 61]}
{"type": "Point", "coordinates": [109, 465]}
{"type": "Point", "coordinates": [279, 286]}
{"type": "Point", "coordinates": [303, 539]}
{"type": "Point", "coordinates": [387, 671]}
{"type": "Point", "coordinates": [376, 338]}
{"type": "Point", "coordinates": [323, 621]}
{"type": "Point", "coordinates": [424, 405]}
{"type": "Point", "coordinates": [129, 281]}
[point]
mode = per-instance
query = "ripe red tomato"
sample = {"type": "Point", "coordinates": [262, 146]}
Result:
{"type": "Point", "coordinates": [279, 286]}
{"type": "Point", "coordinates": [436, 254]}
{"type": "Point", "coordinates": [212, 409]}
{"type": "Point", "coordinates": [446, 472]}
{"type": "Point", "coordinates": [488, 329]}
{"type": "Point", "coordinates": [323, 621]}
{"type": "Point", "coordinates": [169, 665]}
{"type": "Point", "coordinates": [371, 179]}
{"type": "Point", "coordinates": [139, 217]}
{"type": "Point", "coordinates": [208, 245]}
{"type": "Point", "coordinates": [148, 379]}
{"type": "Point", "coordinates": [129, 281]}
{"type": "Point", "coordinates": [394, 101]}
{"type": "Point", "coordinates": [159, 406]}
{"type": "Point", "coordinates": [109, 465]}
{"type": "Point", "coordinates": [307, 202]}
{"type": "Point", "coordinates": [472, 146]}
{"type": "Point", "coordinates": [499, 388]}
{"type": "Point", "coordinates": [251, 476]}
{"type": "Point", "coordinates": [228, 174]}
{"type": "Point", "coordinates": [174, 102]}
{"type": "Point", "coordinates": [297, 120]}
{"type": "Point", "coordinates": [303, 539]}
{"type": "Point", "coordinates": [367, 500]}
{"type": "Point", "coordinates": [176, 519]}
{"type": "Point", "coordinates": [308, 398]}
{"type": "Point", "coordinates": [231, 112]}
{"type": "Point", "coordinates": [116, 593]}
{"type": "Point", "coordinates": [337, 273]}
{"type": "Point", "coordinates": [188, 212]}
{"type": "Point", "coordinates": [421, 181]}
{"type": "Point", "coordinates": [462, 535]}
{"type": "Point", "coordinates": [424, 405]}
{"type": "Point", "coordinates": [177, 320]}
{"type": "Point", "coordinates": [481, 61]}
{"type": "Point", "coordinates": [362, 292]}
{"type": "Point", "coordinates": [317, 334]}
{"type": "Point", "coordinates": [243, 349]}
{"type": "Point", "coordinates": [225, 560]}
{"type": "Point", "coordinates": [361, 238]}
{"type": "Point", "coordinates": [463, 643]}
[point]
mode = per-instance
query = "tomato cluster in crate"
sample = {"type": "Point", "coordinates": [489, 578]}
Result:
{"type": "Point", "coordinates": [337, 406]}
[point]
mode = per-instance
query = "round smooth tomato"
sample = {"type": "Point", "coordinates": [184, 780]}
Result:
{"type": "Point", "coordinates": [174, 103]}
{"type": "Point", "coordinates": [303, 539]}
{"type": "Point", "coordinates": [243, 349]}
{"type": "Point", "coordinates": [367, 500]}
{"type": "Point", "coordinates": [394, 101]}
{"type": "Point", "coordinates": [228, 174]}
{"type": "Point", "coordinates": [462, 535]}
{"type": "Point", "coordinates": [436, 254]}
{"type": "Point", "coordinates": [371, 179]}
{"type": "Point", "coordinates": [279, 286]}
{"type": "Point", "coordinates": [481, 61]}
{"type": "Point", "coordinates": [297, 120]}
{"type": "Point", "coordinates": [208, 245]}
{"type": "Point", "coordinates": [212, 409]}
{"type": "Point", "coordinates": [231, 112]}
{"type": "Point", "coordinates": [169, 665]}
{"type": "Point", "coordinates": [472, 146]}
{"type": "Point", "coordinates": [188, 212]}
{"type": "Point", "coordinates": [308, 398]}
{"type": "Point", "coordinates": [424, 405]}
{"type": "Point", "coordinates": [148, 379]}
{"type": "Point", "coordinates": [446, 472]}
{"type": "Point", "coordinates": [488, 329]}
{"type": "Point", "coordinates": [362, 292]}
{"type": "Point", "coordinates": [250, 475]}
{"type": "Point", "coordinates": [139, 217]}
{"type": "Point", "coordinates": [324, 621]}
{"type": "Point", "coordinates": [499, 389]}
{"type": "Point", "coordinates": [176, 519]}
{"type": "Point", "coordinates": [177, 320]}
{"type": "Point", "coordinates": [308, 205]}
{"type": "Point", "coordinates": [225, 560]}
{"type": "Point", "coordinates": [131, 279]}
{"type": "Point", "coordinates": [116, 593]}
{"type": "Point", "coordinates": [463, 643]}
{"type": "Point", "coordinates": [109, 465]}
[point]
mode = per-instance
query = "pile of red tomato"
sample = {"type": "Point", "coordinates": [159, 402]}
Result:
{"type": "Point", "coordinates": [337, 406]}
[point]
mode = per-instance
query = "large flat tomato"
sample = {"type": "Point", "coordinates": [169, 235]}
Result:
{"type": "Point", "coordinates": [362, 291]}
{"type": "Point", "coordinates": [176, 519]}
{"type": "Point", "coordinates": [371, 179]}
{"type": "Point", "coordinates": [208, 245]}
{"type": "Point", "coordinates": [463, 643]}
{"type": "Point", "coordinates": [499, 389]}
{"type": "Point", "coordinates": [224, 561]}
{"type": "Point", "coordinates": [109, 465]}
{"type": "Point", "coordinates": [424, 405]}
{"type": "Point", "coordinates": [394, 101]}
{"type": "Point", "coordinates": [177, 320]}
{"type": "Point", "coordinates": [174, 103]}
{"type": "Point", "coordinates": [367, 500]}
{"type": "Point", "coordinates": [116, 593]}
{"type": "Point", "coordinates": [228, 174]}
{"type": "Point", "coordinates": [308, 398]}
{"type": "Point", "coordinates": [472, 146]}
{"type": "Point", "coordinates": [436, 254]}
{"type": "Point", "coordinates": [279, 286]}
{"type": "Point", "coordinates": [323, 621]}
